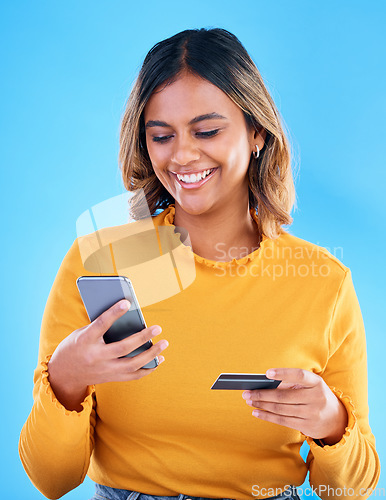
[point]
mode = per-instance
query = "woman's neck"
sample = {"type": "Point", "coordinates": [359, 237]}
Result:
{"type": "Point", "coordinates": [220, 235]}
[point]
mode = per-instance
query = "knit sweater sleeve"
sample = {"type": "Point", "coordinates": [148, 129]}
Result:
{"type": "Point", "coordinates": [350, 468]}
{"type": "Point", "coordinates": [55, 444]}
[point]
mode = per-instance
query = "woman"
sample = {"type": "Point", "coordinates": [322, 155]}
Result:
{"type": "Point", "coordinates": [202, 141]}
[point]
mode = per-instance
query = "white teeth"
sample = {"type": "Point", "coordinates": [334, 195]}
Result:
{"type": "Point", "coordinates": [189, 179]}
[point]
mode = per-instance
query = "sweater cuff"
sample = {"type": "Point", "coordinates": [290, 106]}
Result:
{"type": "Point", "coordinates": [318, 447]}
{"type": "Point", "coordinates": [87, 403]}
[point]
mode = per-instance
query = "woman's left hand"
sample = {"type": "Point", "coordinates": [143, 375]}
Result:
{"type": "Point", "coordinates": [302, 401]}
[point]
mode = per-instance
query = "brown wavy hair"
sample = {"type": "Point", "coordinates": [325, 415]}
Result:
{"type": "Point", "coordinates": [218, 56]}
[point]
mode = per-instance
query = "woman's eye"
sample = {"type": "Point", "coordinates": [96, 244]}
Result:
{"type": "Point", "coordinates": [161, 139]}
{"type": "Point", "coordinates": [209, 133]}
{"type": "Point", "coordinates": [165, 138]}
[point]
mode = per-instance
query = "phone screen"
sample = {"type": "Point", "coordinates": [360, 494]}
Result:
{"type": "Point", "coordinates": [99, 293]}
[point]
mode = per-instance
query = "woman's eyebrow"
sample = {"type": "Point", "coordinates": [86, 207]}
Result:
{"type": "Point", "coordinates": [208, 116]}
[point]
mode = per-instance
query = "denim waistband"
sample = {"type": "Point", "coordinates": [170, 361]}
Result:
{"type": "Point", "coordinates": [107, 493]}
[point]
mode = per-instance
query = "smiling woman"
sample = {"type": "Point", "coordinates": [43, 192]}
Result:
{"type": "Point", "coordinates": [202, 141]}
{"type": "Point", "coordinates": [200, 103]}
{"type": "Point", "coordinates": [203, 161]}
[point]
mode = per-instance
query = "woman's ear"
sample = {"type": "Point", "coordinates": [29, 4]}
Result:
{"type": "Point", "coordinates": [257, 137]}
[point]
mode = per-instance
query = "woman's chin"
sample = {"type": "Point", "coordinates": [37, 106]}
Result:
{"type": "Point", "coordinates": [197, 207]}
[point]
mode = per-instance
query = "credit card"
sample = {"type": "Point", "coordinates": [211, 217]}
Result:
{"type": "Point", "coordinates": [244, 381]}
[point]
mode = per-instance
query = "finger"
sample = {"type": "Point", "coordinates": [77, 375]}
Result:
{"type": "Point", "coordinates": [298, 376]}
{"type": "Point", "coordinates": [129, 344]}
{"type": "Point", "coordinates": [97, 328]}
{"type": "Point", "coordinates": [291, 422]}
{"type": "Point", "coordinates": [142, 372]}
{"type": "Point", "coordinates": [284, 396]}
{"type": "Point", "coordinates": [290, 410]}
{"type": "Point", "coordinates": [135, 363]}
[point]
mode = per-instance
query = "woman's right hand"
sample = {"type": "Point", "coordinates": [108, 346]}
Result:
{"type": "Point", "coordinates": [83, 358]}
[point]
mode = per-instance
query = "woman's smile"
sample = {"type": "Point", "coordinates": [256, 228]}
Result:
{"type": "Point", "coordinates": [194, 180]}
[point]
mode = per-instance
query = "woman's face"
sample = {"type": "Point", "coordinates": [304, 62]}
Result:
{"type": "Point", "coordinates": [192, 126]}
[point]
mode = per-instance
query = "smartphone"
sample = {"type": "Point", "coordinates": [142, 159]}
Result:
{"type": "Point", "coordinates": [244, 381]}
{"type": "Point", "coordinates": [99, 293]}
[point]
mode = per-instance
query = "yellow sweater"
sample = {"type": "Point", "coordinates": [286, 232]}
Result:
{"type": "Point", "coordinates": [288, 304]}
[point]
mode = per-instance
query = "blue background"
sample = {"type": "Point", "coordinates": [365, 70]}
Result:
{"type": "Point", "coordinates": [67, 68]}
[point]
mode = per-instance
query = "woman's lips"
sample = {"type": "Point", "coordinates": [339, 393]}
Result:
{"type": "Point", "coordinates": [195, 185]}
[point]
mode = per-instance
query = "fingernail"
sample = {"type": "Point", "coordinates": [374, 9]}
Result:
{"type": "Point", "coordinates": [161, 359]}
{"type": "Point", "coordinates": [249, 402]}
{"type": "Point", "coordinates": [255, 413]}
{"type": "Point", "coordinates": [156, 330]}
{"type": "Point", "coordinates": [125, 304]}
{"type": "Point", "coordinates": [271, 373]}
{"type": "Point", "coordinates": [163, 344]}
{"type": "Point", "coordinates": [246, 395]}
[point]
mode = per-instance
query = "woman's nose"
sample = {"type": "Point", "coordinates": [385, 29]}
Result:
{"type": "Point", "coordinates": [184, 150]}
